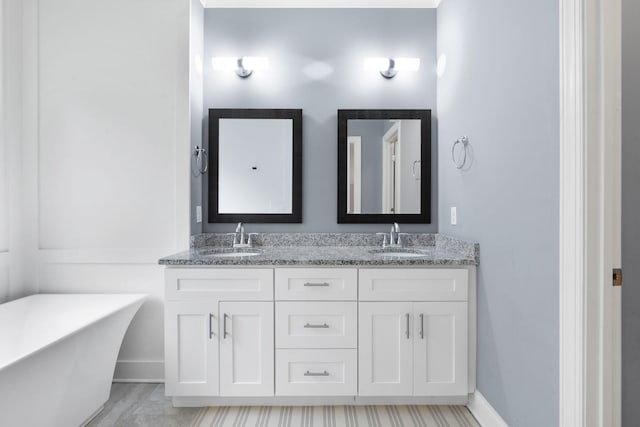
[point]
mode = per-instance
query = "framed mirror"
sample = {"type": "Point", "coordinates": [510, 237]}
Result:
{"type": "Point", "coordinates": [384, 166]}
{"type": "Point", "coordinates": [255, 166]}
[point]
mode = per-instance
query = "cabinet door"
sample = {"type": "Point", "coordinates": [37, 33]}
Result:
{"type": "Point", "coordinates": [440, 349]}
{"type": "Point", "coordinates": [246, 349]}
{"type": "Point", "coordinates": [191, 348]}
{"type": "Point", "coordinates": [385, 351]}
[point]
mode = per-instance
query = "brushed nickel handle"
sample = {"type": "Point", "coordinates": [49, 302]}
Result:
{"type": "Point", "coordinates": [224, 326]}
{"type": "Point", "coordinates": [323, 326]}
{"type": "Point", "coordinates": [211, 333]}
{"type": "Point", "coordinates": [324, 284]}
{"type": "Point", "coordinates": [421, 326]}
{"type": "Point", "coordinates": [316, 374]}
{"type": "Point", "coordinates": [407, 325]}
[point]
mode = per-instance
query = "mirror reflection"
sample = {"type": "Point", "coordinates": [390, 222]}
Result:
{"type": "Point", "coordinates": [383, 166]}
{"type": "Point", "coordinates": [256, 165]}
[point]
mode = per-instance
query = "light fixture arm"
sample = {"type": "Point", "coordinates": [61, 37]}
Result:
{"type": "Point", "coordinates": [241, 71]}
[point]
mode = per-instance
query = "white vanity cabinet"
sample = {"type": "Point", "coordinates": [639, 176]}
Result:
{"type": "Point", "coordinates": [413, 332]}
{"type": "Point", "coordinates": [316, 331]}
{"type": "Point", "coordinates": [283, 334]}
{"type": "Point", "coordinates": [219, 332]}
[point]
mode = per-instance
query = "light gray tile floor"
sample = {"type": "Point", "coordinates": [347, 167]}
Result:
{"type": "Point", "coordinates": [142, 405]}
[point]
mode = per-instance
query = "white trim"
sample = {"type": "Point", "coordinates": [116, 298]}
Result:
{"type": "Point", "coordinates": [356, 141]}
{"type": "Point", "coordinates": [298, 4]}
{"type": "Point", "coordinates": [572, 210]}
{"type": "Point", "coordinates": [179, 401]}
{"type": "Point", "coordinates": [103, 256]}
{"type": "Point", "coordinates": [589, 212]}
{"type": "Point", "coordinates": [483, 412]}
{"type": "Point", "coordinates": [139, 371]}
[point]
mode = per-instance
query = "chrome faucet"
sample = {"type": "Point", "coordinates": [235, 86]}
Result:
{"type": "Point", "coordinates": [238, 237]}
{"type": "Point", "coordinates": [394, 237]}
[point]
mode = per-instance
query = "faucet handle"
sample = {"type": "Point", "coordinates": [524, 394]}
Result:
{"type": "Point", "coordinates": [249, 240]}
{"type": "Point", "coordinates": [235, 237]}
{"type": "Point", "coordinates": [384, 239]}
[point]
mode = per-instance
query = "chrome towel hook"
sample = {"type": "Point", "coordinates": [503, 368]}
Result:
{"type": "Point", "coordinates": [202, 160]}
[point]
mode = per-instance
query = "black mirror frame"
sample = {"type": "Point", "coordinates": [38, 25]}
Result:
{"type": "Point", "coordinates": [296, 194]}
{"type": "Point", "coordinates": [424, 217]}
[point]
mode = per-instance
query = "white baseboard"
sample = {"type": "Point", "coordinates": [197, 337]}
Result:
{"type": "Point", "coordinates": [139, 371]}
{"type": "Point", "coordinates": [484, 412]}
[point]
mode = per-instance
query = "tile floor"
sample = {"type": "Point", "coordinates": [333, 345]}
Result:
{"type": "Point", "coordinates": [142, 405]}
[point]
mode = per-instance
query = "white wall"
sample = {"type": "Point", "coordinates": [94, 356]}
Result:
{"type": "Point", "coordinates": [108, 98]}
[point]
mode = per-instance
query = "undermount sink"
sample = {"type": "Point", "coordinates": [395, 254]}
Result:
{"type": "Point", "coordinates": [233, 253]}
{"type": "Point", "coordinates": [398, 253]}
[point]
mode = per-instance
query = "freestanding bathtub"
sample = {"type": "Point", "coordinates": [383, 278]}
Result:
{"type": "Point", "coordinates": [58, 355]}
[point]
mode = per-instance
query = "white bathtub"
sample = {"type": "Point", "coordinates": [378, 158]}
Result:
{"type": "Point", "coordinates": [58, 355]}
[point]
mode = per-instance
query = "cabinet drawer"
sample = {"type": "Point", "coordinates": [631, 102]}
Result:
{"type": "Point", "coordinates": [433, 284]}
{"type": "Point", "coordinates": [316, 324]}
{"type": "Point", "coordinates": [233, 284]}
{"type": "Point", "coordinates": [327, 284]}
{"type": "Point", "coordinates": [316, 372]}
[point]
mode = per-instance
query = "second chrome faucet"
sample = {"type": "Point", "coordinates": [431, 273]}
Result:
{"type": "Point", "coordinates": [394, 237]}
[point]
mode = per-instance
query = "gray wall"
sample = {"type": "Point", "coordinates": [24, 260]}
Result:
{"type": "Point", "coordinates": [316, 63]}
{"type": "Point", "coordinates": [501, 90]}
{"type": "Point", "coordinates": [196, 41]}
{"type": "Point", "coordinates": [630, 211]}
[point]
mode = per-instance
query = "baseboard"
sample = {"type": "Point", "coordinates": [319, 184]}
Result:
{"type": "Point", "coordinates": [139, 371]}
{"type": "Point", "coordinates": [484, 412]}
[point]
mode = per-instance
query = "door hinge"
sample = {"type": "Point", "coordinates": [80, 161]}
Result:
{"type": "Point", "coordinates": [617, 277]}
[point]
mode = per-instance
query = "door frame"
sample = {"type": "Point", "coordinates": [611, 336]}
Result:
{"type": "Point", "coordinates": [590, 212]}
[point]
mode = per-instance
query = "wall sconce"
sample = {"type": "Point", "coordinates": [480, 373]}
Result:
{"type": "Point", "coordinates": [243, 66]}
{"type": "Point", "coordinates": [389, 67]}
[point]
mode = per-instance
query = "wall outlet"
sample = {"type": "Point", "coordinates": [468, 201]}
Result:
{"type": "Point", "coordinates": [454, 215]}
{"type": "Point", "coordinates": [198, 214]}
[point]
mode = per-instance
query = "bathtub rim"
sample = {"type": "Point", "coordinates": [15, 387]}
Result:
{"type": "Point", "coordinates": [137, 299]}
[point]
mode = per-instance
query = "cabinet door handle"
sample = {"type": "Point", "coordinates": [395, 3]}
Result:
{"type": "Point", "coordinates": [323, 326]}
{"type": "Point", "coordinates": [324, 284]}
{"type": "Point", "coordinates": [421, 326]}
{"type": "Point", "coordinates": [211, 333]}
{"type": "Point", "coordinates": [224, 326]}
{"type": "Point", "coordinates": [407, 325]}
{"type": "Point", "coordinates": [316, 374]}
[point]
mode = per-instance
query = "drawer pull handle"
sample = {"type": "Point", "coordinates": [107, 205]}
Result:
{"type": "Point", "coordinates": [323, 326]}
{"type": "Point", "coordinates": [421, 326]}
{"type": "Point", "coordinates": [323, 284]}
{"type": "Point", "coordinates": [316, 374]}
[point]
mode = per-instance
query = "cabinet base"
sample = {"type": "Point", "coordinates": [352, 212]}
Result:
{"type": "Point", "coordinates": [198, 401]}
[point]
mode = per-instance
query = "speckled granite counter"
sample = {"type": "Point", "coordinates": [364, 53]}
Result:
{"type": "Point", "coordinates": [326, 249]}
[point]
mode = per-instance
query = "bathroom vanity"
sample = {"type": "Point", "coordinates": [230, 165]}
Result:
{"type": "Point", "coordinates": [321, 319]}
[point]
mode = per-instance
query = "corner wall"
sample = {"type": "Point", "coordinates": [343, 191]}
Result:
{"type": "Point", "coordinates": [501, 89]}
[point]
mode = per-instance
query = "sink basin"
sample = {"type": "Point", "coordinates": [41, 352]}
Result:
{"type": "Point", "coordinates": [234, 253]}
{"type": "Point", "coordinates": [399, 253]}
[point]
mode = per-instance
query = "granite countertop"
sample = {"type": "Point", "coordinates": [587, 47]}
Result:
{"type": "Point", "coordinates": [327, 249]}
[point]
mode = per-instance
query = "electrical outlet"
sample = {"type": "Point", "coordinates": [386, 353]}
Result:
{"type": "Point", "coordinates": [454, 215]}
{"type": "Point", "coordinates": [198, 214]}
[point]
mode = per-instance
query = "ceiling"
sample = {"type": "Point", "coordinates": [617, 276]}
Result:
{"type": "Point", "coordinates": [397, 4]}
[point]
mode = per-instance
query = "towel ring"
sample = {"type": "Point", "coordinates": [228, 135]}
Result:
{"type": "Point", "coordinates": [464, 141]}
{"type": "Point", "coordinates": [202, 160]}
